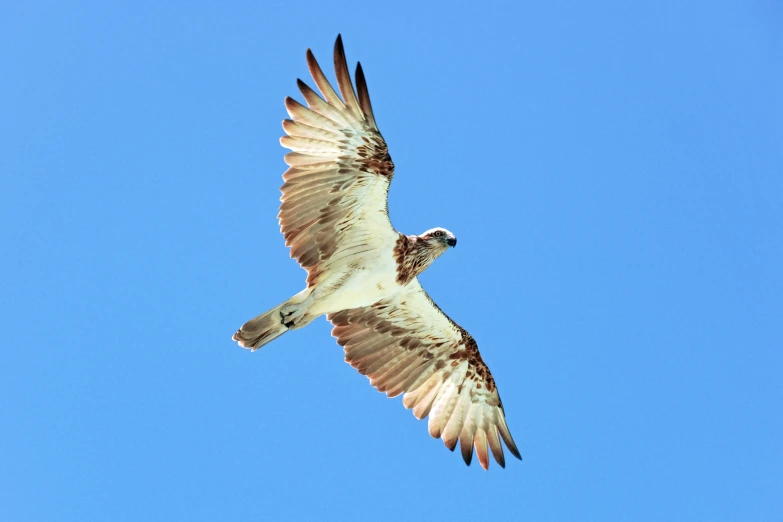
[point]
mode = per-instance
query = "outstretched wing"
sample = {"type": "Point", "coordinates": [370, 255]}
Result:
{"type": "Point", "coordinates": [334, 201]}
{"type": "Point", "coordinates": [406, 344]}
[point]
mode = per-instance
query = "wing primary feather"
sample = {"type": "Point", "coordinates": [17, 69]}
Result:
{"type": "Point", "coordinates": [494, 444]}
{"type": "Point", "coordinates": [453, 427]}
{"type": "Point", "coordinates": [317, 104]}
{"type": "Point", "coordinates": [302, 130]}
{"type": "Point", "coordinates": [344, 76]}
{"type": "Point", "coordinates": [364, 95]}
{"type": "Point", "coordinates": [420, 376]}
{"type": "Point", "coordinates": [480, 442]}
{"type": "Point", "coordinates": [506, 434]}
{"type": "Point", "coordinates": [466, 446]}
{"type": "Point", "coordinates": [443, 408]}
{"type": "Point", "coordinates": [320, 80]}
{"type": "Point", "coordinates": [422, 409]}
{"type": "Point", "coordinates": [300, 113]}
{"type": "Point", "coordinates": [310, 145]}
{"type": "Point", "coordinates": [466, 437]}
{"type": "Point", "coordinates": [421, 400]}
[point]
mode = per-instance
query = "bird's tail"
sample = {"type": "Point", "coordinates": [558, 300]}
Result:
{"type": "Point", "coordinates": [268, 326]}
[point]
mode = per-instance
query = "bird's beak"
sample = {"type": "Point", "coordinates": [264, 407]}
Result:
{"type": "Point", "coordinates": [452, 241]}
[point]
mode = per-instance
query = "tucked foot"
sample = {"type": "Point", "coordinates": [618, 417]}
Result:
{"type": "Point", "coordinates": [291, 315]}
{"type": "Point", "coordinates": [294, 315]}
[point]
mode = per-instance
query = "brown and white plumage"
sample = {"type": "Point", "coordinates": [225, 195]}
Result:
{"type": "Point", "coordinates": [335, 190]}
{"type": "Point", "coordinates": [362, 273]}
{"type": "Point", "coordinates": [406, 344]}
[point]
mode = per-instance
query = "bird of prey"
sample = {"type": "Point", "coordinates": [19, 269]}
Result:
{"type": "Point", "coordinates": [362, 273]}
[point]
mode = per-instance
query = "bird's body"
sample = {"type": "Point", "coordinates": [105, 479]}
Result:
{"type": "Point", "coordinates": [361, 281]}
{"type": "Point", "coordinates": [358, 287]}
{"type": "Point", "coordinates": [362, 273]}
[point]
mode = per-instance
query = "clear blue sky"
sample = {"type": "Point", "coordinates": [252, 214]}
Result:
{"type": "Point", "coordinates": [613, 172]}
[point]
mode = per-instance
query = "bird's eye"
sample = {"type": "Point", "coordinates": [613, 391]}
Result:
{"type": "Point", "coordinates": [437, 233]}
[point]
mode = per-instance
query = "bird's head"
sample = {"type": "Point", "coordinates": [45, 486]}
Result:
{"type": "Point", "coordinates": [438, 240]}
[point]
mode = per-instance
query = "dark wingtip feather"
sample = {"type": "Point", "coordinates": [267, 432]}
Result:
{"type": "Point", "coordinates": [310, 58]}
{"type": "Point", "coordinates": [514, 451]}
{"type": "Point", "coordinates": [364, 95]}
{"type": "Point", "coordinates": [467, 453]}
{"type": "Point", "coordinates": [339, 50]}
{"type": "Point", "coordinates": [304, 88]}
{"type": "Point", "coordinates": [323, 84]}
{"type": "Point", "coordinates": [344, 76]}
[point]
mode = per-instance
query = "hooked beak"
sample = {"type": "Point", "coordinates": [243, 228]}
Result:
{"type": "Point", "coordinates": [452, 241]}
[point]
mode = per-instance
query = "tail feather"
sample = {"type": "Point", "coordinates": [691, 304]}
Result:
{"type": "Point", "coordinates": [266, 327]}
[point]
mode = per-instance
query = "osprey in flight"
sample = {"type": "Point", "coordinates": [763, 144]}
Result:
{"type": "Point", "coordinates": [362, 273]}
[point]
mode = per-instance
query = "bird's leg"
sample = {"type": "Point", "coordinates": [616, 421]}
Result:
{"type": "Point", "coordinates": [293, 315]}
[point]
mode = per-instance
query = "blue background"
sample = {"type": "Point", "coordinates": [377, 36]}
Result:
{"type": "Point", "coordinates": [612, 172]}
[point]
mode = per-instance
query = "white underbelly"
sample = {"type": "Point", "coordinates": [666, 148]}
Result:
{"type": "Point", "coordinates": [357, 287]}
